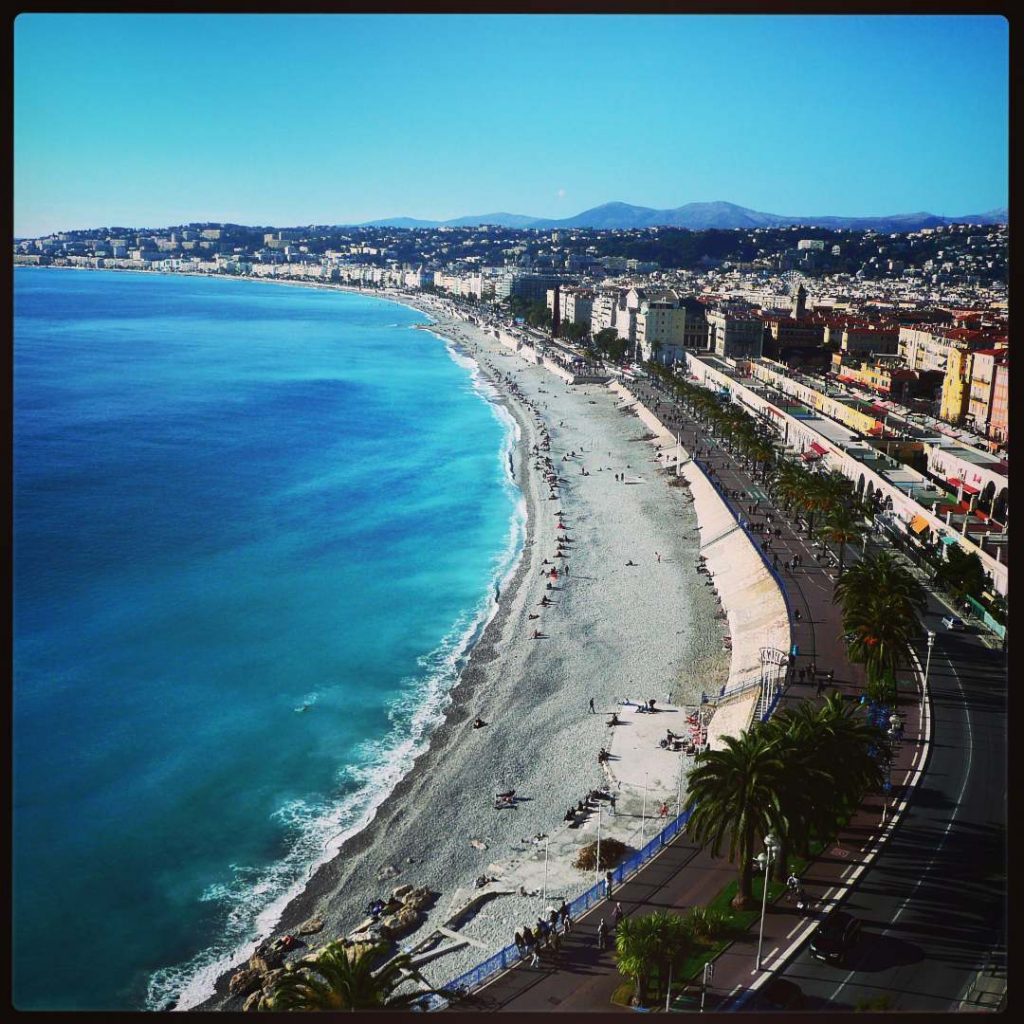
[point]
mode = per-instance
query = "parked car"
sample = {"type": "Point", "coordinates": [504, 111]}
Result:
{"type": "Point", "coordinates": [952, 622]}
{"type": "Point", "coordinates": [835, 937]}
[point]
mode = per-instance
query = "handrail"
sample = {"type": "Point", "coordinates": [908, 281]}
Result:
{"type": "Point", "coordinates": [510, 955]}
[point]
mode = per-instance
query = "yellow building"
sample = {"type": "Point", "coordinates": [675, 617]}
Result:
{"type": "Point", "coordinates": [956, 385]}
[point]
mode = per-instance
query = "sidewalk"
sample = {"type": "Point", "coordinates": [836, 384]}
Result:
{"type": "Point", "coordinates": [583, 978]}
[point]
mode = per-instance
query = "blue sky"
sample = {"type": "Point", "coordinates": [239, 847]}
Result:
{"type": "Point", "coordinates": [149, 120]}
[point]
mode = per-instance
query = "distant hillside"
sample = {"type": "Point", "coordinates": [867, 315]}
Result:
{"type": "Point", "coordinates": [697, 217]}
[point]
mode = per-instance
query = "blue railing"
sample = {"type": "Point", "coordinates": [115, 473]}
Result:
{"type": "Point", "coordinates": [510, 955]}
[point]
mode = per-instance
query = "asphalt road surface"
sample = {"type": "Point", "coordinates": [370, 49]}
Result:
{"type": "Point", "coordinates": [933, 904]}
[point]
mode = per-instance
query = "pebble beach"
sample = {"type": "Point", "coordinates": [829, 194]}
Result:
{"type": "Point", "coordinates": [613, 631]}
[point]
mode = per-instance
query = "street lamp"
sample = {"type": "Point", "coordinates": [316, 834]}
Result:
{"type": "Point", "coordinates": [928, 660]}
{"type": "Point", "coordinates": [764, 860]}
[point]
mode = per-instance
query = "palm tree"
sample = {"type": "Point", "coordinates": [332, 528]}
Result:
{"type": "Point", "coordinates": [803, 805]}
{"type": "Point", "coordinates": [337, 980]}
{"type": "Point", "coordinates": [881, 602]}
{"type": "Point", "coordinates": [635, 946]}
{"type": "Point", "coordinates": [658, 940]}
{"type": "Point", "coordinates": [816, 496]}
{"type": "Point", "coordinates": [789, 482]}
{"type": "Point", "coordinates": [844, 524]}
{"type": "Point", "coordinates": [733, 795]}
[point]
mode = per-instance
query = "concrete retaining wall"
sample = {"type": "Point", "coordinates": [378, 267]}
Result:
{"type": "Point", "coordinates": [754, 606]}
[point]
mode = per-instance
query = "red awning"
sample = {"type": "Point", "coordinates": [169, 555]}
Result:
{"type": "Point", "coordinates": [848, 380]}
{"type": "Point", "coordinates": [817, 448]}
{"type": "Point", "coordinates": [875, 431]}
{"type": "Point", "coordinates": [955, 481]}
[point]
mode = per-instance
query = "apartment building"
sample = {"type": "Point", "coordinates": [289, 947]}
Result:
{"type": "Point", "coordinates": [927, 347]}
{"type": "Point", "coordinates": [982, 386]}
{"type": "Point", "coordinates": [576, 304]}
{"type": "Point", "coordinates": [998, 422]}
{"type": "Point", "coordinates": [735, 333]}
{"type": "Point", "coordinates": [956, 387]}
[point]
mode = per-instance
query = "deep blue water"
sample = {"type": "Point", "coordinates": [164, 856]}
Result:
{"type": "Point", "coordinates": [231, 500]}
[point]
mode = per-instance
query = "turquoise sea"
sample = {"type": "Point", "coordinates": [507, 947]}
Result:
{"type": "Point", "coordinates": [256, 529]}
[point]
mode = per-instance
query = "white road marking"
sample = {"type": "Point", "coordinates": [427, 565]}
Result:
{"type": "Point", "coordinates": [945, 832]}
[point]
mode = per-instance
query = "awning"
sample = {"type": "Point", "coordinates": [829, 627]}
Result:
{"type": "Point", "coordinates": [809, 456]}
{"type": "Point", "coordinates": [817, 448]}
{"type": "Point", "coordinates": [968, 489]}
{"type": "Point", "coordinates": [918, 524]}
{"type": "Point", "coordinates": [876, 430]}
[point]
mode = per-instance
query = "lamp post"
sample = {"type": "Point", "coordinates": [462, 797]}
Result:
{"type": "Point", "coordinates": [597, 866]}
{"type": "Point", "coordinates": [928, 660]}
{"type": "Point", "coordinates": [546, 841]}
{"type": "Point", "coordinates": [765, 860]}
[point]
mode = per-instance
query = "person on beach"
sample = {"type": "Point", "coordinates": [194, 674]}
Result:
{"type": "Point", "coordinates": [592, 706]}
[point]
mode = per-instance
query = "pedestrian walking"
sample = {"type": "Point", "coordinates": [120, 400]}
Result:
{"type": "Point", "coordinates": [520, 945]}
{"type": "Point", "coordinates": [821, 687]}
{"type": "Point", "coordinates": [602, 935]}
{"type": "Point", "coordinates": [617, 915]}
{"type": "Point", "coordinates": [592, 706]}
{"type": "Point", "coordinates": [611, 800]}
{"type": "Point", "coordinates": [608, 880]}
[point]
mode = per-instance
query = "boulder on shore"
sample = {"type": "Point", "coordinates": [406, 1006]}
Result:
{"type": "Point", "coordinates": [401, 891]}
{"type": "Point", "coordinates": [396, 925]}
{"type": "Point", "coordinates": [418, 898]}
{"type": "Point", "coordinates": [311, 927]}
{"type": "Point", "coordinates": [244, 981]}
{"type": "Point", "coordinates": [252, 1003]}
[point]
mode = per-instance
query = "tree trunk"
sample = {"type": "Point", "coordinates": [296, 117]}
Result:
{"type": "Point", "coordinates": [745, 895]}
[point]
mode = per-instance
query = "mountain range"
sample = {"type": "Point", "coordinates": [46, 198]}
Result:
{"type": "Point", "coordinates": [696, 217]}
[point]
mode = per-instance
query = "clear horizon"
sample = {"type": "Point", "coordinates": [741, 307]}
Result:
{"type": "Point", "coordinates": [341, 119]}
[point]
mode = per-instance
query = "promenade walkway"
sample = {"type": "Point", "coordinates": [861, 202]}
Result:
{"type": "Point", "coordinates": [582, 977]}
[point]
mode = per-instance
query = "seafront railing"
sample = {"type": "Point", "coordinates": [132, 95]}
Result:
{"type": "Point", "coordinates": [510, 955]}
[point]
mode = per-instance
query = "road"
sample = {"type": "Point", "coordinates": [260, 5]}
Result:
{"type": "Point", "coordinates": [934, 902]}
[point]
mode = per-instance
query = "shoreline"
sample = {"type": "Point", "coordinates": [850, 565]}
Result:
{"type": "Point", "coordinates": [545, 745]}
{"type": "Point", "coordinates": [397, 829]}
